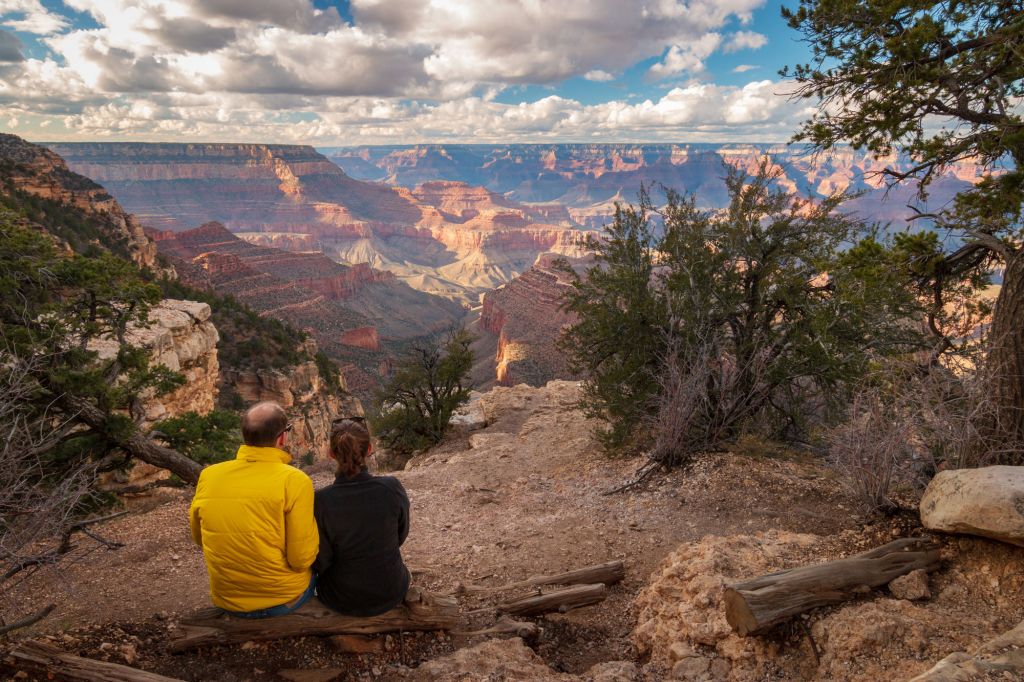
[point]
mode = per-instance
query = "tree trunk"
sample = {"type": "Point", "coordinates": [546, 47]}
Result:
{"type": "Point", "coordinates": [753, 606]}
{"type": "Point", "coordinates": [1006, 356]}
{"type": "Point", "coordinates": [137, 444]}
{"type": "Point", "coordinates": [61, 665]}
{"type": "Point", "coordinates": [420, 611]}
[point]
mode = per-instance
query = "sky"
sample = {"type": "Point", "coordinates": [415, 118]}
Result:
{"type": "Point", "coordinates": [356, 72]}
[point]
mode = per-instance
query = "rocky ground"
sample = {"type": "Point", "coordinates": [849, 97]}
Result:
{"type": "Point", "coordinates": [525, 496]}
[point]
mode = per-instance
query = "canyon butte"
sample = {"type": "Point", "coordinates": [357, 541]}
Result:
{"type": "Point", "coordinates": [372, 248]}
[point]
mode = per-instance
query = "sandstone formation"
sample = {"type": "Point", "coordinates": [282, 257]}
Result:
{"type": "Point", "coordinates": [181, 337]}
{"type": "Point", "coordinates": [39, 172]}
{"type": "Point", "coordinates": [443, 237]}
{"type": "Point", "coordinates": [526, 318]}
{"type": "Point", "coordinates": [987, 502]}
{"type": "Point", "coordinates": [360, 316]}
{"type": "Point", "coordinates": [588, 178]}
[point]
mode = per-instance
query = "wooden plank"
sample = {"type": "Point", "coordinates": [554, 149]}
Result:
{"type": "Point", "coordinates": [420, 611]}
{"type": "Point", "coordinates": [48, 659]}
{"type": "Point", "coordinates": [754, 606]}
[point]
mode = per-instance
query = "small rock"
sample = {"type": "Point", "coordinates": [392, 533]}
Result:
{"type": "Point", "coordinates": [691, 668]}
{"type": "Point", "coordinates": [912, 586]}
{"type": "Point", "coordinates": [680, 650]}
{"type": "Point", "coordinates": [613, 671]}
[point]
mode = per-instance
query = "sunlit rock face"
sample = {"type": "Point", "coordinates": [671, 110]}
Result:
{"type": "Point", "coordinates": [360, 316]}
{"type": "Point", "coordinates": [588, 179]}
{"type": "Point", "coordinates": [38, 171]}
{"type": "Point", "coordinates": [444, 237]}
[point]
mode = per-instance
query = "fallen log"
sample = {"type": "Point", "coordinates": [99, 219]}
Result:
{"type": "Point", "coordinates": [505, 626]}
{"type": "Point", "coordinates": [608, 573]}
{"type": "Point", "coordinates": [420, 611]}
{"type": "Point", "coordinates": [562, 601]}
{"type": "Point", "coordinates": [999, 657]}
{"type": "Point", "coordinates": [54, 663]}
{"type": "Point", "coordinates": [754, 606]}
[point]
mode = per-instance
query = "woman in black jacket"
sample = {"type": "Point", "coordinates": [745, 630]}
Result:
{"type": "Point", "coordinates": [363, 520]}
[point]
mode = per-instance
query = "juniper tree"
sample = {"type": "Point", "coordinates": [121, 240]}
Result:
{"type": "Point", "coordinates": [941, 82]}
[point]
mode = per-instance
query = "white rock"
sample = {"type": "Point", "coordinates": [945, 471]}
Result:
{"type": "Point", "coordinates": [987, 502]}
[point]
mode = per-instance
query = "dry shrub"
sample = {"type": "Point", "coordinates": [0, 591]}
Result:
{"type": "Point", "coordinates": [38, 497]}
{"type": "Point", "coordinates": [871, 450]}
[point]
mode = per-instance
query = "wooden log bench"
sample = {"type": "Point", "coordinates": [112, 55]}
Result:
{"type": "Point", "coordinates": [421, 610]}
{"type": "Point", "coordinates": [53, 663]}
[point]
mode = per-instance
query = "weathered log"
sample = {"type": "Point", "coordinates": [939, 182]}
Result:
{"type": "Point", "coordinates": [608, 573]}
{"type": "Point", "coordinates": [999, 657]}
{"type": "Point", "coordinates": [53, 662]}
{"type": "Point", "coordinates": [754, 606]}
{"type": "Point", "coordinates": [560, 600]}
{"type": "Point", "coordinates": [420, 611]}
{"type": "Point", "coordinates": [505, 626]}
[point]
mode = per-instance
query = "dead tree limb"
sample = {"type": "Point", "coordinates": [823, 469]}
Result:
{"type": "Point", "coordinates": [561, 601]}
{"type": "Point", "coordinates": [420, 611]}
{"type": "Point", "coordinates": [65, 545]}
{"type": "Point", "coordinates": [505, 626]}
{"type": "Point", "coordinates": [58, 664]}
{"type": "Point", "coordinates": [608, 573]}
{"type": "Point", "coordinates": [754, 606]}
{"type": "Point", "coordinates": [29, 620]}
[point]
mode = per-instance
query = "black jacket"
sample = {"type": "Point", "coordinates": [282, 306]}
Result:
{"type": "Point", "coordinates": [363, 521]}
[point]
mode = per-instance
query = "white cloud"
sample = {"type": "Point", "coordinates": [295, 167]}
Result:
{"type": "Point", "coordinates": [743, 68]}
{"type": "Point", "coordinates": [282, 70]}
{"type": "Point", "coordinates": [599, 76]}
{"type": "Point", "coordinates": [689, 57]}
{"type": "Point", "coordinates": [745, 40]}
{"type": "Point", "coordinates": [31, 17]}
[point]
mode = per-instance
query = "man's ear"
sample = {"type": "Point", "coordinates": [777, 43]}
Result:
{"type": "Point", "coordinates": [280, 441]}
{"type": "Point", "coordinates": [369, 450]}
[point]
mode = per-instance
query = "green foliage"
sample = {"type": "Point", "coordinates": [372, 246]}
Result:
{"type": "Point", "coordinates": [759, 311]}
{"type": "Point", "coordinates": [885, 74]}
{"type": "Point", "coordinates": [208, 438]}
{"type": "Point", "coordinates": [415, 406]}
{"type": "Point", "coordinates": [619, 337]}
{"type": "Point", "coordinates": [329, 372]}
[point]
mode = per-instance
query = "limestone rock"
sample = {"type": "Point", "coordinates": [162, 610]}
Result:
{"type": "Point", "coordinates": [987, 502]}
{"type": "Point", "coordinates": [509, 660]}
{"type": "Point", "coordinates": [1002, 656]}
{"type": "Point", "coordinates": [613, 671]}
{"type": "Point", "coordinates": [470, 416]}
{"type": "Point", "coordinates": [912, 586]}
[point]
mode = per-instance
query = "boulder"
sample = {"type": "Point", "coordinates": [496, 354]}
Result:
{"type": "Point", "coordinates": [470, 416]}
{"type": "Point", "coordinates": [987, 502]}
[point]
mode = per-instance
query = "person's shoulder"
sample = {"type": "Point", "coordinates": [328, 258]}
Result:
{"type": "Point", "coordinates": [296, 476]}
{"type": "Point", "coordinates": [391, 483]}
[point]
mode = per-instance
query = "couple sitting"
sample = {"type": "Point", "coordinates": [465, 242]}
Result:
{"type": "Point", "coordinates": [270, 542]}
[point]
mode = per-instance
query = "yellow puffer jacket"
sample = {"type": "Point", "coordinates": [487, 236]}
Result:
{"type": "Point", "coordinates": [253, 517]}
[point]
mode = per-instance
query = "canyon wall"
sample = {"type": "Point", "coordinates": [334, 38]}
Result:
{"type": "Point", "coordinates": [39, 172]}
{"type": "Point", "coordinates": [526, 318]}
{"type": "Point", "coordinates": [588, 179]}
{"type": "Point", "coordinates": [444, 237]}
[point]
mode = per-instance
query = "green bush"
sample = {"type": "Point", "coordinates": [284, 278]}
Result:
{"type": "Point", "coordinates": [207, 438]}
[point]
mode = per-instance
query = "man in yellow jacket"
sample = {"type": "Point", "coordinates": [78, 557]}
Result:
{"type": "Point", "coordinates": [253, 517]}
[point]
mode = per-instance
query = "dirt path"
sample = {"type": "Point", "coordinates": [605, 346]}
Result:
{"type": "Point", "coordinates": [520, 497]}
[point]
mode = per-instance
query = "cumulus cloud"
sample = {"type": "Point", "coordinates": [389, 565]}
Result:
{"type": "Point", "coordinates": [31, 17]}
{"type": "Point", "coordinates": [745, 40]}
{"type": "Point", "coordinates": [743, 68]}
{"type": "Point", "coordinates": [689, 57]}
{"type": "Point", "coordinates": [409, 71]}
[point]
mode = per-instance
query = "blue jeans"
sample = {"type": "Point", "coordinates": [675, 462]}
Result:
{"type": "Point", "coordinates": [283, 609]}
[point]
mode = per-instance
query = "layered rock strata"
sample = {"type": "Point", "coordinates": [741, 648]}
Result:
{"type": "Point", "coordinates": [527, 317]}
{"type": "Point", "coordinates": [443, 237]}
{"type": "Point", "coordinates": [39, 172]}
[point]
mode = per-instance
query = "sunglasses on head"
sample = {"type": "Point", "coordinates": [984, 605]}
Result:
{"type": "Point", "coordinates": [285, 430]}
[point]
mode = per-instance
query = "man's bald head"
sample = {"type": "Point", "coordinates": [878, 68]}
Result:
{"type": "Point", "coordinates": [263, 423]}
